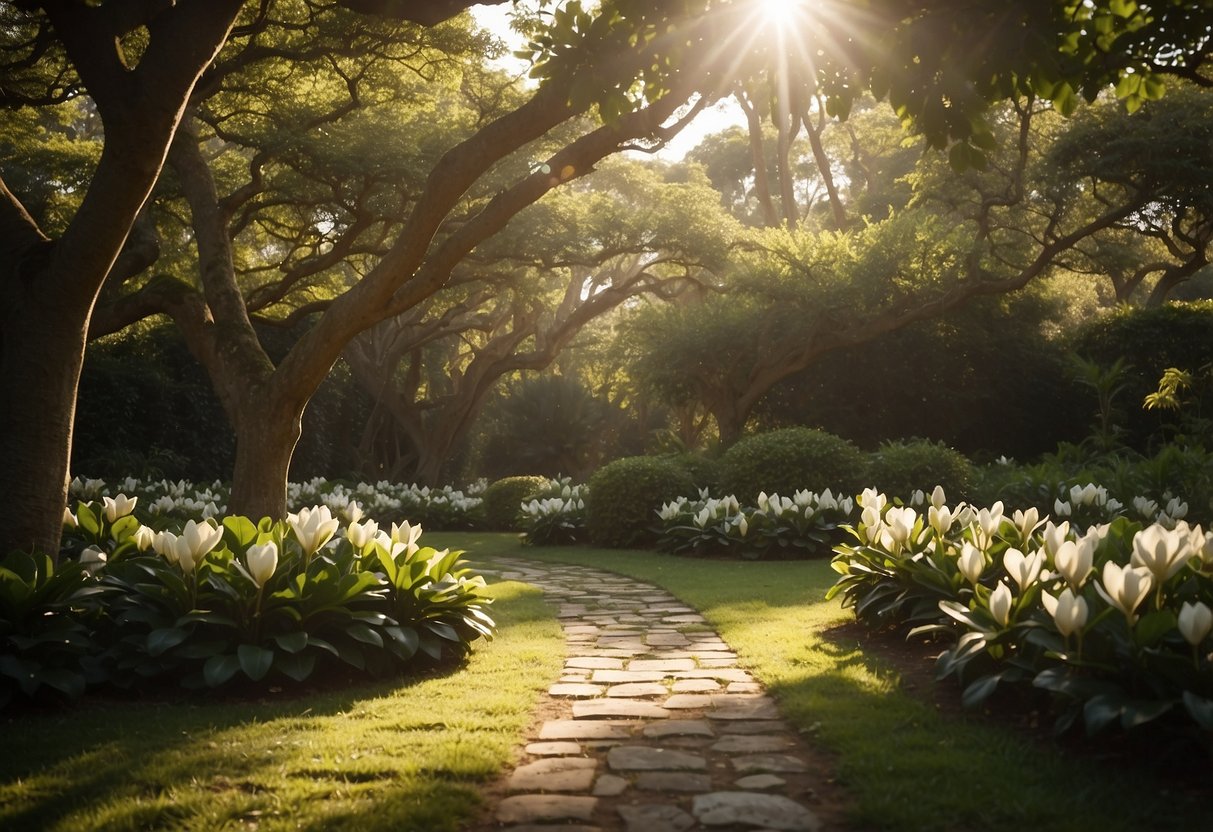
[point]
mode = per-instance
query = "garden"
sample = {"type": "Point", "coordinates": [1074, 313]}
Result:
{"type": "Point", "coordinates": [321, 318]}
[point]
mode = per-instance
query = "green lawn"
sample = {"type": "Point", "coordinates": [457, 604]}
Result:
{"type": "Point", "coordinates": [906, 765]}
{"type": "Point", "coordinates": [388, 756]}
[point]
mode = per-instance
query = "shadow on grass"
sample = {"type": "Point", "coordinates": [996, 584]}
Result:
{"type": "Point", "coordinates": [400, 754]}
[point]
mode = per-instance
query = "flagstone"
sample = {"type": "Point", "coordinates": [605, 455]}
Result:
{"type": "Point", "coordinates": [578, 729]}
{"type": "Point", "coordinates": [575, 689]}
{"type": "Point", "coordinates": [661, 664]}
{"type": "Point", "coordinates": [679, 728]}
{"type": "Point", "coordinates": [555, 774]}
{"type": "Point", "coordinates": [638, 689]}
{"type": "Point", "coordinates": [648, 758]}
{"type": "Point", "coordinates": [620, 676]}
{"type": "Point", "coordinates": [673, 781]}
{"type": "Point", "coordinates": [765, 811]}
{"type": "Point", "coordinates": [527, 808]}
{"type": "Point", "coordinates": [768, 762]}
{"type": "Point", "coordinates": [625, 708]}
{"type": "Point", "coordinates": [655, 818]}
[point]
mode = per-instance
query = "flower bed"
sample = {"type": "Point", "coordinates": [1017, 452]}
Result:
{"type": "Point", "coordinates": [1113, 620]}
{"type": "Point", "coordinates": [213, 601]}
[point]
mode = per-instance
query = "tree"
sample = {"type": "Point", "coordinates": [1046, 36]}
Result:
{"type": "Point", "coordinates": [519, 300]}
{"type": "Point", "coordinates": [798, 295]}
{"type": "Point", "coordinates": [139, 63]}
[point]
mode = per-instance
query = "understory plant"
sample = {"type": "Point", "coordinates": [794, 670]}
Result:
{"type": "Point", "coordinates": [555, 516]}
{"type": "Point", "coordinates": [207, 603]}
{"type": "Point", "coordinates": [1112, 620]}
{"type": "Point", "coordinates": [803, 525]}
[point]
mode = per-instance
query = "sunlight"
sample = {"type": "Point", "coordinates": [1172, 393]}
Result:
{"type": "Point", "coordinates": [781, 14]}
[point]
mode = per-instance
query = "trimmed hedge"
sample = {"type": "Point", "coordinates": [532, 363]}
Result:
{"type": "Point", "coordinates": [504, 498]}
{"type": "Point", "coordinates": [625, 496]}
{"type": "Point", "coordinates": [900, 468]}
{"type": "Point", "coordinates": [705, 472]}
{"type": "Point", "coordinates": [788, 460]}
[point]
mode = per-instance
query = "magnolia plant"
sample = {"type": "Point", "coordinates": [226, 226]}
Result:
{"type": "Point", "coordinates": [1113, 620]}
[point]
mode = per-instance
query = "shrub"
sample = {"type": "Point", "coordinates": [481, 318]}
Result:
{"type": "Point", "coordinates": [705, 472]}
{"type": "Point", "coordinates": [901, 468]}
{"type": "Point", "coordinates": [790, 460]}
{"type": "Point", "coordinates": [626, 495]}
{"type": "Point", "coordinates": [503, 498]}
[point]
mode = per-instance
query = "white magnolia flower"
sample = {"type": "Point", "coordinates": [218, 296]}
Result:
{"type": "Point", "coordinates": [195, 541]}
{"type": "Point", "coordinates": [407, 535]}
{"type": "Point", "coordinates": [1061, 508]}
{"type": "Point", "coordinates": [1124, 587]}
{"type": "Point", "coordinates": [1000, 604]}
{"type": "Point", "coordinates": [972, 562]}
{"type": "Point", "coordinates": [262, 561]}
{"type": "Point", "coordinates": [93, 558]}
{"type": "Point", "coordinates": [1026, 522]}
{"type": "Point", "coordinates": [1024, 569]}
{"type": "Point", "coordinates": [1195, 622]}
{"type": "Point", "coordinates": [144, 538]}
{"type": "Point", "coordinates": [117, 507]}
{"type": "Point", "coordinates": [69, 519]}
{"type": "Point", "coordinates": [938, 498]}
{"type": "Point", "coordinates": [940, 519]}
{"type": "Point", "coordinates": [1069, 611]}
{"type": "Point", "coordinates": [313, 527]}
{"type": "Point", "coordinates": [1159, 550]}
{"type": "Point", "coordinates": [360, 534]}
{"type": "Point", "coordinates": [1073, 560]}
{"type": "Point", "coordinates": [1055, 535]}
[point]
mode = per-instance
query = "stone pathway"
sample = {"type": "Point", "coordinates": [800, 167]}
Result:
{"type": "Point", "coordinates": [652, 727]}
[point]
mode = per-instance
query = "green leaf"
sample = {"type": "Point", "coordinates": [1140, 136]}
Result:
{"type": "Point", "coordinates": [255, 661]}
{"type": "Point", "coordinates": [361, 632]}
{"type": "Point", "coordinates": [88, 519]}
{"type": "Point", "coordinates": [297, 667]}
{"type": "Point", "coordinates": [1101, 710]}
{"type": "Point", "coordinates": [162, 640]}
{"type": "Point", "coordinates": [1153, 626]}
{"type": "Point", "coordinates": [1200, 709]}
{"type": "Point", "coordinates": [240, 531]}
{"type": "Point", "coordinates": [291, 642]}
{"type": "Point", "coordinates": [219, 669]}
{"type": "Point", "coordinates": [442, 630]}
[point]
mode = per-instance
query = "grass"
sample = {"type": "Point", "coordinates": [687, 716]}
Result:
{"type": "Point", "coordinates": [387, 756]}
{"type": "Point", "coordinates": [906, 764]}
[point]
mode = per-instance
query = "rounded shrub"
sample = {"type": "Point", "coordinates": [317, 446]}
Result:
{"type": "Point", "coordinates": [504, 497]}
{"type": "Point", "coordinates": [625, 496]}
{"type": "Point", "coordinates": [900, 468]}
{"type": "Point", "coordinates": [705, 472]}
{"type": "Point", "coordinates": [788, 460]}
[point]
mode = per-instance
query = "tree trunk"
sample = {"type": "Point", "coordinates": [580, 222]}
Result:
{"type": "Point", "coordinates": [266, 435]}
{"type": "Point", "coordinates": [41, 352]}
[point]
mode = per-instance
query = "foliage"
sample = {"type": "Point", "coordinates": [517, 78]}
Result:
{"type": "Point", "coordinates": [1150, 340]}
{"type": "Point", "coordinates": [206, 604]}
{"type": "Point", "coordinates": [503, 498]}
{"type": "Point", "coordinates": [1174, 483]}
{"type": "Point", "coordinates": [47, 616]}
{"type": "Point", "coordinates": [934, 382]}
{"type": "Point", "coordinates": [901, 468]}
{"type": "Point", "coordinates": [803, 525]}
{"type": "Point", "coordinates": [625, 496]}
{"type": "Point", "coordinates": [556, 516]}
{"type": "Point", "coordinates": [1113, 622]}
{"type": "Point", "coordinates": [790, 459]}
{"type": "Point", "coordinates": [704, 471]}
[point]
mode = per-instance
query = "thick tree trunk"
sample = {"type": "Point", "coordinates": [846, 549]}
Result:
{"type": "Point", "coordinates": [41, 352]}
{"type": "Point", "coordinates": [266, 435]}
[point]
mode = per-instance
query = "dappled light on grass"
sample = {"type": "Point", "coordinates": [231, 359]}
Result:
{"type": "Point", "coordinates": [392, 755]}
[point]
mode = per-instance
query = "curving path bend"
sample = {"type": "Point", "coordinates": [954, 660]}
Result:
{"type": "Point", "coordinates": [652, 727]}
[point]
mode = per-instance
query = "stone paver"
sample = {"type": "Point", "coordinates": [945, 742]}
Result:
{"type": "Point", "coordinates": [651, 726]}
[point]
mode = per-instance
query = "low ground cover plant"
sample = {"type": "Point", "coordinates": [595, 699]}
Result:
{"type": "Point", "coordinates": [212, 602]}
{"type": "Point", "coordinates": [1112, 620]}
